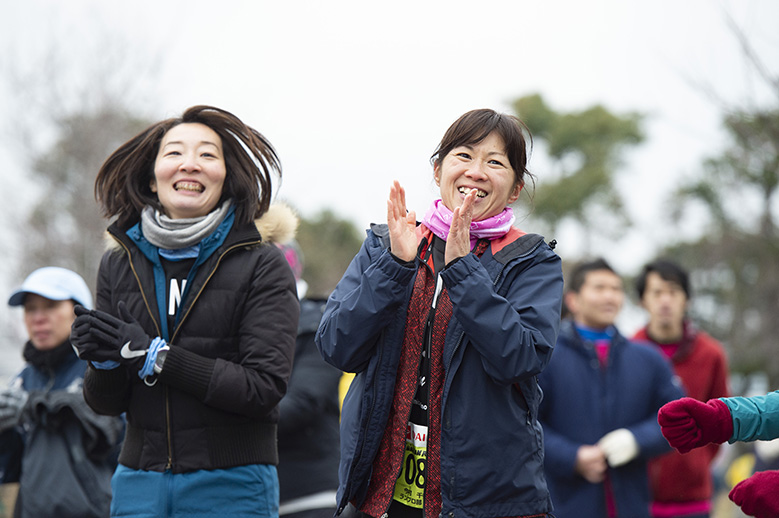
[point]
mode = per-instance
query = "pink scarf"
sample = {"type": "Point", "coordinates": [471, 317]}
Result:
{"type": "Point", "coordinates": [439, 218]}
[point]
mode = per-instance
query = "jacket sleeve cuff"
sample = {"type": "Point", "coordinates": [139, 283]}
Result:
{"type": "Point", "coordinates": [105, 382]}
{"type": "Point", "coordinates": [187, 371]}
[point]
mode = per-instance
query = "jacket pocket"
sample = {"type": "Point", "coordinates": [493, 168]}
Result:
{"type": "Point", "coordinates": [530, 395]}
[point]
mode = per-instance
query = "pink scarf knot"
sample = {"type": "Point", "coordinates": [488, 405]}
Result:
{"type": "Point", "coordinates": [439, 218]}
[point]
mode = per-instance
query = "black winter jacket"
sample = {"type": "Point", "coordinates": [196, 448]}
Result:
{"type": "Point", "coordinates": [215, 402]}
{"type": "Point", "coordinates": [310, 416]}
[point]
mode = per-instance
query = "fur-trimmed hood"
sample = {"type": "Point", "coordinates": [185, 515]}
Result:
{"type": "Point", "coordinates": [278, 225]}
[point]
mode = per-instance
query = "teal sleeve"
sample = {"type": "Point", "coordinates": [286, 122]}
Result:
{"type": "Point", "coordinates": [754, 418]}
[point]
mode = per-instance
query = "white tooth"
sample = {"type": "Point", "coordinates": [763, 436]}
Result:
{"type": "Point", "coordinates": [466, 190]}
{"type": "Point", "coordinates": [188, 187]}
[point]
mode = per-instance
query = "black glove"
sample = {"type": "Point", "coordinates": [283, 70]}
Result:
{"type": "Point", "coordinates": [100, 337]}
{"type": "Point", "coordinates": [82, 341]}
{"type": "Point", "coordinates": [12, 401]}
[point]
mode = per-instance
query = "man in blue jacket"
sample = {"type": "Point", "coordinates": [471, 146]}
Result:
{"type": "Point", "coordinates": [601, 397]}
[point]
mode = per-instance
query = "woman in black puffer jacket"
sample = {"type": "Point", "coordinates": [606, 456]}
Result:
{"type": "Point", "coordinates": [194, 332]}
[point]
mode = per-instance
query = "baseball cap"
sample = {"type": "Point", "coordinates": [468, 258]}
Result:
{"type": "Point", "coordinates": [54, 283]}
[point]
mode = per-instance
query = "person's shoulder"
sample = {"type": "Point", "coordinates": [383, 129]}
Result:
{"type": "Point", "coordinates": [641, 335]}
{"type": "Point", "coordinates": [517, 243]}
{"type": "Point", "coordinates": [706, 342]}
{"type": "Point", "coordinates": [646, 351]}
{"type": "Point", "coordinates": [644, 341]}
{"type": "Point", "coordinates": [311, 311]}
{"type": "Point", "coordinates": [115, 242]}
{"type": "Point", "coordinates": [567, 340]}
{"type": "Point", "coordinates": [378, 233]}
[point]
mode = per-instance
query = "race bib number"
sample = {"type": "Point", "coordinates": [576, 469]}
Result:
{"type": "Point", "coordinates": [410, 486]}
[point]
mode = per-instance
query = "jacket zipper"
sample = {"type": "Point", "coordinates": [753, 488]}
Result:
{"type": "Point", "coordinates": [428, 338]}
{"type": "Point", "coordinates": [210, 275]}
{"type": "Point", "coordinates": [140, 286]}
{"type": "Point", "coordinates": [358, 454]}
{"type": "Point", "coordinates": [169, 438]}
{"type": "Point", "coordinates": [169, 462]}
{"type": "Point", "coordinates": [175, 332]}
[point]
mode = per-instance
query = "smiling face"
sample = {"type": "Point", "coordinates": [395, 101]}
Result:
{"type": "Point", "coordinates": [483, 166]}
{"type": "Point", "coordinates": [189, 171]}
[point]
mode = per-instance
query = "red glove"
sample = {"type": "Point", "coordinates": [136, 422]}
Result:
{"type": "Point", "coordinates": [688, 423]}
{"type": "Point", "coordinates": [758, 495]}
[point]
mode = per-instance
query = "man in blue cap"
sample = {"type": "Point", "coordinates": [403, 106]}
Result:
{"type": "Point", "coordinates": [60, 451]}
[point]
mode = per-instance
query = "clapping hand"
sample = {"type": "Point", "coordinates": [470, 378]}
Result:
{"type": "Point", "coordinates": [458, 242]}
{"type": "Point", "coordinates": [402, 225]}
{"type": "Point", "coordinates": [100, 337]}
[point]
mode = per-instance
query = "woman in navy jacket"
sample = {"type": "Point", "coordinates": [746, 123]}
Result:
{"type": "Point", "coordinates": [446, 324]}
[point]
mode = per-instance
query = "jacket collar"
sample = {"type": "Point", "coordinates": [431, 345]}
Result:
{"type": "Point", "coordinates": [570, 337]}
{"type": "Point", "coordinates": [689, 335]}
{"type": "Point", "coordinates": [51, 359]}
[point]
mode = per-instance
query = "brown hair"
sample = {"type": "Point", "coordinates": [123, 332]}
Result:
{"type": "Point", "coordinates": [123, 183]}
{"type": "Point", "coordinates": [476, 125]}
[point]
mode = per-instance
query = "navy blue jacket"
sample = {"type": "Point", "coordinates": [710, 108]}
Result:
{"type": "Point", "coordinates": [67, 451]}
{"type": "Point", "coordinates": [506, 313]}
{"type": "Point", "coordinates": [582, 403]}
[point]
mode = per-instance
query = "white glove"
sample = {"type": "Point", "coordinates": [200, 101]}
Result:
{"type": "Point", "coordinates": [620, 447]}
{"type": "Point", "coordinates": [767, 450]}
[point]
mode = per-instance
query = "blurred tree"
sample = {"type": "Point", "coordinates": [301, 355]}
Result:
{"type": "Point", "coordinates": [737, 256]}
{"type": "Point", "coordinates": [737, 259]}
{"type": "Point", "coordinates": [328, 244]}
{"type": "Point", "coordinates": [65, 227]}
{"type": "Point", "coordinates": [71, 105]}
{"type": "Point", "coordinates": [586, 149]}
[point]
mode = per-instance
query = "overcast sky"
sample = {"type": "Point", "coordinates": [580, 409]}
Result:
{"type": "Point", "coordinates": [354, 94]}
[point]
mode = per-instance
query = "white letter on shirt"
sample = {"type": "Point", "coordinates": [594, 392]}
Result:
{"type": "Point", "coordinates": [175, 295]}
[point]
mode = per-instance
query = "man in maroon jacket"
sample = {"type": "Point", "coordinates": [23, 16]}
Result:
{"type": "Point", "coordinates": [681, 484]}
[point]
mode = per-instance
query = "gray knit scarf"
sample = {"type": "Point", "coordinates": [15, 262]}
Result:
{"type": "Point", "coordinates": [171, 234]}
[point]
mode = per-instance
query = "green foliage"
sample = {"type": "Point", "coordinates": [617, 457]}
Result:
{"type": "Point", "coordinates": [586, 148]}
{"type": "Point", "coordinates": [328, 244]}
{"type": "Point", "coordinates": [536, 114]}
{"type": "Point", "coordinates": [745, 174]}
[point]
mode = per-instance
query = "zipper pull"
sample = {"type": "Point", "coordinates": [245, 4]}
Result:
{"type": "Point", "coordinates": [439, 286]}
